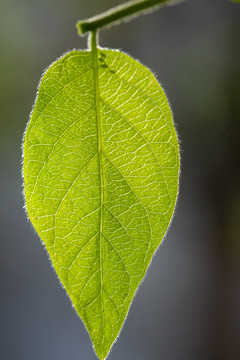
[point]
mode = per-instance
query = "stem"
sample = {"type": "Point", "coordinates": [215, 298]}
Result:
{"type": "Point", "coordinates": [118, 13]}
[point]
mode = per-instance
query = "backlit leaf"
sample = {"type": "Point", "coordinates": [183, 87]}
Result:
{"type": "Point", "coordinates": [101, 166]}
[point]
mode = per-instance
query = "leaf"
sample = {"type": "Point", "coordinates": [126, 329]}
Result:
{"type": "Point", "coordinates": [101, 166]}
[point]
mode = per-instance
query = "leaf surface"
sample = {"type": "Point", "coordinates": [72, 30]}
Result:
{"type": "Point", "coordinates": [101, 166]}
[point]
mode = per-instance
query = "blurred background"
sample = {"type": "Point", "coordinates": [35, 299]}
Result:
{"type": "Point", "coordinates": [188, 307]}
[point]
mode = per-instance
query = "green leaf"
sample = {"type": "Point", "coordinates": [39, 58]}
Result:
{"type": "Point", "coordinates": [101, 165]}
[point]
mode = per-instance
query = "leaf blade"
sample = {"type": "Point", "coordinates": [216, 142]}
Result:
{"type": "Point", "coordinates": [110, 118]}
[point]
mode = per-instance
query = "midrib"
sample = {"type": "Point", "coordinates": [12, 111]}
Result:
{"type": "Point", "coordinates": [99, 139]}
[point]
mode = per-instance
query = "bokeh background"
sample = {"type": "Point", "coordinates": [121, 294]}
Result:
{"type": "Point", "coordinates": [188, 307]}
